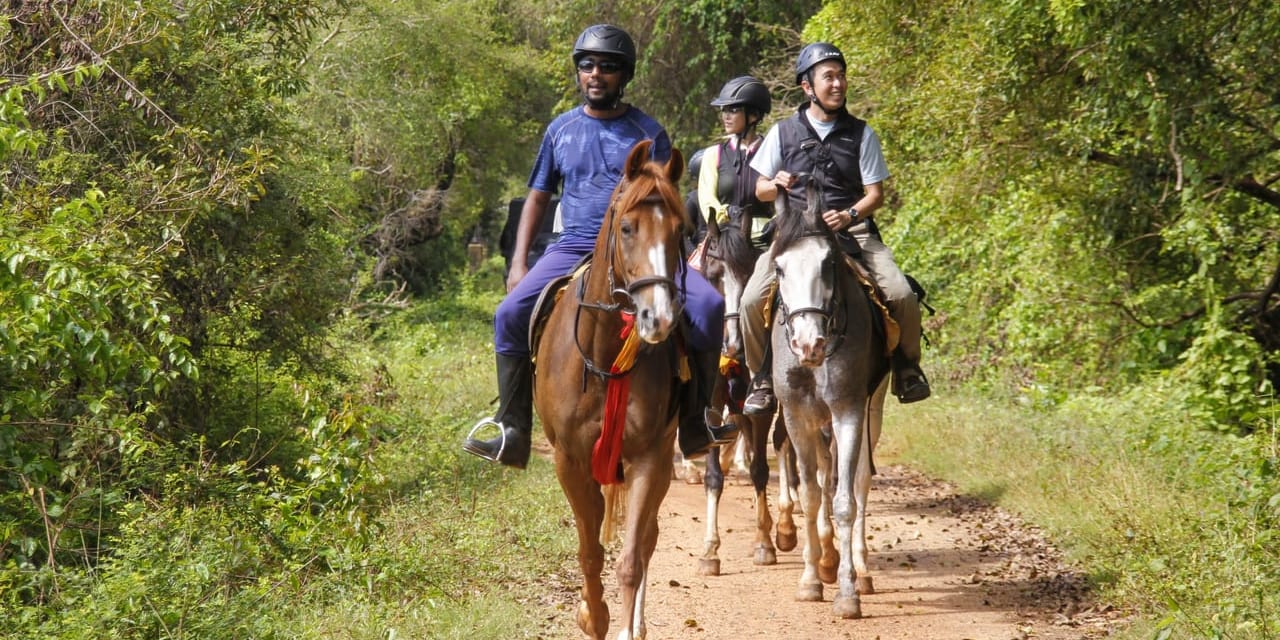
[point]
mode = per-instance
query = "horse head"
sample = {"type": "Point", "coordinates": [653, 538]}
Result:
{"type": "Point", "coordinates": [729, 258]}
{"type": "Point", "coordinates": [642, 241]}
{"type": "Point", "coordinates": [806, 260]}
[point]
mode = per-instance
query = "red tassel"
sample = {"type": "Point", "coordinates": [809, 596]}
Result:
{"type": "Point", "coordinates": [606, 456]}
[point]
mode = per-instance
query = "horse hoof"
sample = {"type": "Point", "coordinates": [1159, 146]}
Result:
{"type": "Point", "coordinates": [809, 593]}
{"type": "Point", "coordinates": [692, 476]}
{"type": "Point", "coordinates": [828, 574]}
{"type": "Point", "coordinates": [765, 556]}
{"type": "Point", "coordinates": [847, 608]}
{"type": "Point", "coordinates": [785, 541]}
{"type": "Point", "coordinates": [708, 566]}
{"type": "Point", "coordinates": [864, 586]}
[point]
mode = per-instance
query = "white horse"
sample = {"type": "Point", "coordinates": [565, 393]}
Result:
{"type": "Point", "coordinates": [830, 369]}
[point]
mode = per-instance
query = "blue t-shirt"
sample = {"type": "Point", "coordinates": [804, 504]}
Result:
{"type": "Point", "coordinates": [588, 154]}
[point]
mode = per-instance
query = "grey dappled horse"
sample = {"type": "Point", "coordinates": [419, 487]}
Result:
{"type": "Point", "coordinates": [830, 371]}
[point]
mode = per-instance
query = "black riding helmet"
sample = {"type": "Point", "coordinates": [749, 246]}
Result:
{"type": "Point", "coordinates": [607, 39]}
{"type": "Point", "coordinates": [813, 54]}
{"type": "Point", "coordinates": [746, 91]}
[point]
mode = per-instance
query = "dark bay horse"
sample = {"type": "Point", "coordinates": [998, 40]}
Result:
{"type": "Point", "coordinates": [727, 262]}
{"type": "Point", "coordinates": [585, 364]}
{"type": "Point", "coordinates": [830, 371]}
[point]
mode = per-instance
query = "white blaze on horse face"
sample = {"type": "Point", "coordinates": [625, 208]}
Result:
{"type": "Point", "coordinates": [655, 306]}
{"type": "Point", "coordinates": [802, 286]}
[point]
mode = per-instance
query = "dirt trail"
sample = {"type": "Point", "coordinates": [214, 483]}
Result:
{"type": "Point", "coordinates": [945, 567]}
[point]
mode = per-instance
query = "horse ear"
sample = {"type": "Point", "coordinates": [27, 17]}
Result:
{"type": "Point", "coordinates": [637, 158]}
{"type": "Point", "coordinates": [675, 166]}
{"type": "Point", "coordinates": [713, 227]}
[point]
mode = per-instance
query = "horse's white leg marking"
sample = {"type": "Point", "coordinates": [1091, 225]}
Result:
{"type": "Point", "coordinates": [808, 465]}
{"type": "Point", "coordinates": [862, 488]}
{"type": "Point", "coordinates": [636, 629]}
{"type": "Point", "coordinates": [846, 427]}
{"type": "Point", "coordinates": [741, 451]}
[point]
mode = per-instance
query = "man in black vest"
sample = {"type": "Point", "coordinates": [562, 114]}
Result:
{"type": "Point", "coordinates": [843, 154]}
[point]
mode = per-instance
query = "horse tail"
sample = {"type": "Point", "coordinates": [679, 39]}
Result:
{"type": "Point", "coordinates": [615, 496]}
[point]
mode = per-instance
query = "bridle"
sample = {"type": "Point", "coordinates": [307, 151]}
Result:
{"type": "Point", "coordinates": [833, 322]}
{"type": "Point", "coordinates": [627, 290]}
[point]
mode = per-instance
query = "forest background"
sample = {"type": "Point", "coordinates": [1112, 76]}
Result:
{"type": "Point", "coordinates": [241, 336]}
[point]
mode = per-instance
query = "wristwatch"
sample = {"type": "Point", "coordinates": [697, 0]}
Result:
{"type": "Point", "coordinates": [853, 218]}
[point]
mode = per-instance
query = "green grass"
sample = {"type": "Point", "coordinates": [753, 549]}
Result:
{"type": "Point", "coordinates": [1173, 522]}
{"type": "Point", "coordinates": [458, 555]}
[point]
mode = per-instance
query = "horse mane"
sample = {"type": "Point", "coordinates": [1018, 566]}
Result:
{"type": "Point", "coordinates": [736, 250]}
{"type": "Point", "coordinates": [643, 185]}
{"type": "Point", "coordinates": [790, 225]}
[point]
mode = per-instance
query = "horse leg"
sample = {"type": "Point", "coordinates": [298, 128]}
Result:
{"type": "Point", "coordinates": [849, 444]}
{"type": "Point", "coordinates": [649, 480]}
{"type": "Point", "coordinates": [807, 467]}
{"type": "Point", "coordinates": [692, 474]}
{"type": "Point", "coordinates": [765, 552]}
{"type": "Point", "coordinates": [742, 457]}
{"type": "Point", "coordinates": [829, 564]}
{"type": "Point", "coordinates": [862, 488]}
{"type": "Point", "coordinates": [788, 481]}
{"type": "Point", "coordinates": [588, 511]}
{"type": "Point", "coordinates": [709, 563]}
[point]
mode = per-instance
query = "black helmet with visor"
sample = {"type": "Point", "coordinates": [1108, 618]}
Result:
{"type": "Point", "coordinates": [610, 40]}
{"type": "Point", "coordinates": [746, 91]}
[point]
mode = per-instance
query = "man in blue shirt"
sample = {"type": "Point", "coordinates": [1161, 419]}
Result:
{"type": "Point", "coordinates": [585, 150]}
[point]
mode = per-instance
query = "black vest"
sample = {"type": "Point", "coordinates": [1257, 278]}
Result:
{"type": "Point", "coordinates": [835, 161]}
{"type": "Point", "coordinates": [736, 182]}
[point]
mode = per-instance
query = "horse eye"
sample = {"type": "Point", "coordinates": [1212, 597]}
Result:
{"type": "Point", "coordinates": [625, 227]}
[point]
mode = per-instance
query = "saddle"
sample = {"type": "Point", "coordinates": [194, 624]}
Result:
{"type": "Point", "coordinates": [547, 301]}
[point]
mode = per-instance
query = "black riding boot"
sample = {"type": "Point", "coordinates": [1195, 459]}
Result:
{"type": "Point", "coordinates": [909, 383]}
{"type": "Point", "coordinates": [701, 405]}
{"type": "Point", "coordinates": [514, 416]}
{"type": "Point", "coordinates": [762, 401]}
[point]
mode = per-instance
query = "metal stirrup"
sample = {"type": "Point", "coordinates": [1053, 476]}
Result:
{"type": "Point", "coordinates": [502, 438]}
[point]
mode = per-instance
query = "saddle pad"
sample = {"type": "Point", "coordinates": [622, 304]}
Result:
{"type": "Point", "coordinates": [547, 301]}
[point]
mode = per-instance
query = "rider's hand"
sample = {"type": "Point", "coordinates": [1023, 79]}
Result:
{"type": "Point", "coordinates": [838, 220]}
{"type": "Point", "coordinates": [517, 273]}
{"type": "Point", "coordinates": [784, 180]}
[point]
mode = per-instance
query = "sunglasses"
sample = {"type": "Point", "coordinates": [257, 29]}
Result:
{"type": "Point", "coordinates": [607, 67]}
{"type": "Point", "coordinates": [732, 109]}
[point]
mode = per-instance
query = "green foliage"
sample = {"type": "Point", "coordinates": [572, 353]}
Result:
{"type": "Point", "coordinates": [439, 108]}
{"type": "Point", "coordinates": [1086, 182]}
{"type": "Point", "coordinates": [693, 48]}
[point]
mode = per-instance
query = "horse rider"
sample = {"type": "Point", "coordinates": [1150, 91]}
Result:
{"type": "Point", "coordinates": [585, 150]}
{"type": "Point", "coordinates": [843, 153]}
{"type": "Point", "coordinates": [727, 185]}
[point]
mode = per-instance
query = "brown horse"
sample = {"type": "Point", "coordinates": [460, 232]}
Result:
{"type": "Point", "coordinates": [633, 276]}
